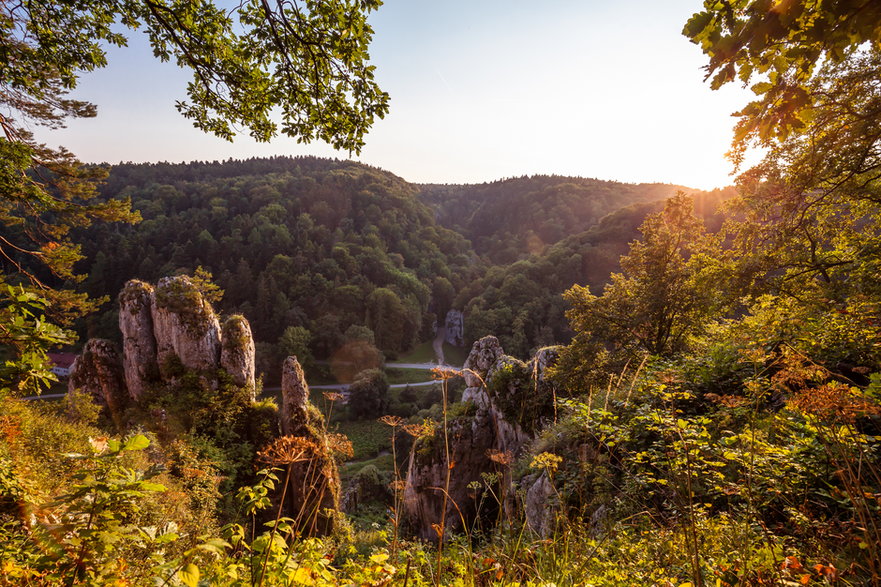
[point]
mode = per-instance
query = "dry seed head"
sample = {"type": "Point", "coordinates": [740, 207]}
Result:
{"type": "Point", "coordinates": [503, 458]}
{"type": "Point", "coordinates": [340, 444]}
{"type": "Point", "coordinates": [332, 396]}
{"type": "Point", "coordinates": [834, 402]}
{"type": "Point", "coordinates": [393, 421]}
{"type": "Point", "coordinates": [426, 428]}
{"type": "Point", "coordinates": [442, 373]}
{"type": "Point", "coordinates": [288, 450]}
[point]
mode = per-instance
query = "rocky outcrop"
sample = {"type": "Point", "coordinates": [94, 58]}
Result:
{"type": "Point", "coordinates": [294, 398]}
{"type": "Point", "coordinates": [506, 401]}
{"type": "Point", "coordinates": [138, 342]}
{"type": "Point", "coordinates": [314, 487]}
{"type": "Point", "coordinates": [485, 353]}
{"type": "Point", "coordinates": [98, 371]}
{"type": "Point", "coordinates": [540, 505]}
{"type": "Point", "coordinates": [171, 328]}
{"type": "Point", "coordinates": [185, 327]}
{"type": "Point", "coordinates": [455, 328]}
{"type": "Point", "coordinates": [237, 352]}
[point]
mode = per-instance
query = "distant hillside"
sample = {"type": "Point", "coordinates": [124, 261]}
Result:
{"type": "Point", "coordinates": [341, 249]}
{"type": "Point", "coordinates": [511, 219]}
{"type": "Point", "coordinates": [522, 303]}
{"type": "Point", "coordinates": [306, 242]}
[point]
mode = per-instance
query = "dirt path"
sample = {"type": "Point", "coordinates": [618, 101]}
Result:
{"type": "Point", "coordinates": [438, 344]}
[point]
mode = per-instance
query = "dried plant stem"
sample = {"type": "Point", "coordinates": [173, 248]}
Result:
{"type": "Point", "coordinates": [448, 464]}
{"type": "Point", "coordinates": [284, 490]}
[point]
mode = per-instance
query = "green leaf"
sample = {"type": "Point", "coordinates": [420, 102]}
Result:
{"type": "Point", "coordinates": [189, 575]}
{"type": "Point", "coordinates": [137, 442]}
{"type": "Point", "coordinates": [147, 486]}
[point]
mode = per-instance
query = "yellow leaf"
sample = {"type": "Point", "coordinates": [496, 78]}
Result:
{"type": "Point", "coordinates": [189, 575]}
{"type": "Point", "coordinates": [303, 576]}
{"type": "Point", "coordinates": [379, 557]}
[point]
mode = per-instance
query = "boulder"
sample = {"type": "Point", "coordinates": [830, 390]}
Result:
{"type": "Point", "coordinates": [294, 398]}
{"type": "Point", "coordinates": [541, 506]}
{"type": "Point", "coordinates": [484, 354]}
{"type": "Point", "coordinates": [505, 404]}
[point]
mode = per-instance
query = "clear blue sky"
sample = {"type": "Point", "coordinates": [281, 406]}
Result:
{"type": "Point", "coordinates": [480, 90]}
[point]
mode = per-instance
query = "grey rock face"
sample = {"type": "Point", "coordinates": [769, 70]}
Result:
{"type": "Point", "coordinates": [473, 437]}
{"type": "Point", "coordinates": [314, 488]}
{"type": "Point", "coordinates": [98, 370]}
{"type": "Point", "coordinates": [483, 357]}
{"type": "Point", "coordinates": [185, 326]}
{"type": "Point", "coordinates": [455, 328]}
{"type": "Point", "coordinates": [499, 387]}
{"type": "Point", "coordinates": [294, 398]}
{"type": "Point", "coordinates": [541, 506]}
{"type": "Point", "coordinates": [237, 352]}
{"type": "Point", "coordinates": [139, 345]}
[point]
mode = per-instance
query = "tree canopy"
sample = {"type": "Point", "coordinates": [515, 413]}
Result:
{"type": "Point", "coordinates": [306, 59]}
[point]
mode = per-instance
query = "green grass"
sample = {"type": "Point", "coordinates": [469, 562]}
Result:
{"type": "Point", "coordinates": [424, 353]}
{"type": "Point", "coordinates": [395, 375]}
{"type": "Point", "coordinates": [350, 469]}
{"type": "Point", "coordinates": [368, 437]}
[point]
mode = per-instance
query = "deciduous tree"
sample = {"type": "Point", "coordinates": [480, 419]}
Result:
{"type": "Point", "coordinates": [308, 59]}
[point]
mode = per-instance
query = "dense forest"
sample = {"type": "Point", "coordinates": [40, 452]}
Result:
{"type": "Point", "coordinates": [325, 245]}
{"type": "Point", "coordinates": [657, 386]}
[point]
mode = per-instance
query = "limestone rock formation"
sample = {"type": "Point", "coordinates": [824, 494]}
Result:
{"type": "Point", "coordinates": [139, 345]}
{"type": "Point", "coordinates": [314, 487]}
{"type": "Point", "coordinates": [98, 370]}
{"type": "Point", "coordinates": [505, 403]}
{"type": "Point", "coordinates": [185, 326]}
{"type": "Point", "coordinates": [483, 357]}
{"type": "Point", "coordinates": [237, 352]}
{"type": "Point", "coordinates": [455, 328]}
{"type": "Point", "coordinates": [294, 398]}
{"type": "Point", "coordinates": [541, 505]}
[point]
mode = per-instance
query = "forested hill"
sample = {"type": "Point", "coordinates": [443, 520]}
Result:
{"type": "Point", "coordinates": [305, 242]}
{"type": "Point", "coordinates": [522, 303]}
{"type": "Point", "coordinates": [337, 250]}
{"type": "Point", "coordinates": [510, 219]}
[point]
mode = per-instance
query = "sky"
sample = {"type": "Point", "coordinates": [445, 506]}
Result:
{"type": "Point", "coordinates": [480, 90]}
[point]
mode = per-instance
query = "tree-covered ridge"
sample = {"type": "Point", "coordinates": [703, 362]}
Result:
{"type": "Point", "coordinates": [521, 303]}
{"type": "Point", "coordinates": [324, 245]}
{"type": "Point", "coordinates": [510, 219]}
{"type": "Point", "coordinates": [293, 242]}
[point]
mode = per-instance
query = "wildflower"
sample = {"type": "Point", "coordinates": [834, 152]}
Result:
{"type": "Point", "coordinates": [332, 396]}
{"type": "Point", "coordinates": [442, 373]}
{"type": "Point", "coordinates": [546, 461]}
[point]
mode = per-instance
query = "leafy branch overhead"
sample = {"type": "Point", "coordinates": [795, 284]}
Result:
{"type": "Point", "coordinates": [293, 67]}
{"type": "Point", "coordinates": [781, 47]}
